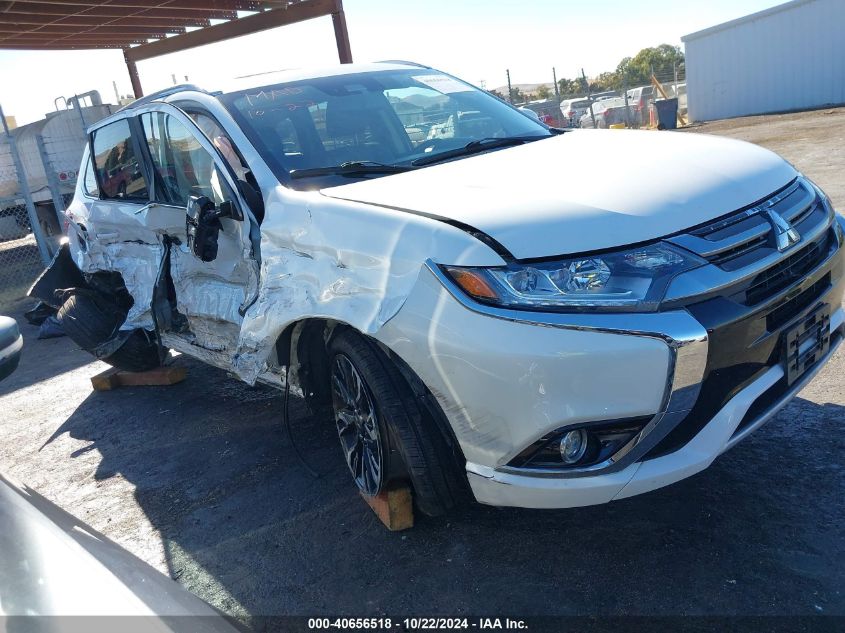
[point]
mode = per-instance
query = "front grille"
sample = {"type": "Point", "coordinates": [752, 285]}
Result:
{"type": "Point", "coordinates": [747, 318]}
{"type": "Point", "coordinates": [745, 236]}
{"type": "Point", "coordinates": [789, 270]}
{"type": "Point", "coordinates": [744, 342]}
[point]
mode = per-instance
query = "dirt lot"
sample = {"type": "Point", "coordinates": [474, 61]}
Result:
{"type": "Point", "coordinates": [812, 141]}
{"type": "Point", "coordinates": [199, 480]}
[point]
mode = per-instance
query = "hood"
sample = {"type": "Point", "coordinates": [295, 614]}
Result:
{"type": "Point", "coordinates": [585, 190]}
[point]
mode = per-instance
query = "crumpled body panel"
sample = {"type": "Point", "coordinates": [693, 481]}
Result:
{"type": "Point", "coordinates": [352, 263]}
{"type": "Point", "coordinates": [138, 265]}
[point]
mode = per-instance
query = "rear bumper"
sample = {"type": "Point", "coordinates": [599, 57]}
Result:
{"type": "Point", "coordinates": [723, 431]}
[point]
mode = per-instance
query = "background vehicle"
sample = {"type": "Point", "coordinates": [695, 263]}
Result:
{"type": "Point", "coordinates": [11, 343]}
{"type": "Point", "coordinates": [573, 109]}
{"type": "Point", "coordinates": [548, 110]}
{"type": "Point", "coordinates": [639, 98]}
{"type": "Point", "coordinates": [530, 113]}
{"type": "Point", "coordinates": [607, 112]}
{"type": "Point", "coordinates": [50, 174]}
{"type": "Point", "coordinates": [599, 96]}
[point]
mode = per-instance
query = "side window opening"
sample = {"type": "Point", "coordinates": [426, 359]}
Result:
{"type": "Point", "coordinates": [218, 137]}
{"type": "Point", "coordinates": [247, 184]}
{"type": "Point", "coordinates": [89, 183]}
{"type": "Point", "coordinates": [117, 168]}
{"type": "Point", "coordinates": [183, 165]}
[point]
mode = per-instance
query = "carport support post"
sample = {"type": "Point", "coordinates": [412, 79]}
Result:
{"type": "Point", "coordinates": [341, 34]}
{"type": "Point", "coordinates": [133, 74]}
{"type": "Point", "coordinates": [40, 239]}
{"type": "Point", "coordinates": [52, 181]}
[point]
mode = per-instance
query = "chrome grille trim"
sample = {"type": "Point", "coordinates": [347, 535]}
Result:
{"type": "Point", "coordinates": [748, 228]}
{"type": "Point", "coordinates": [712, 279]}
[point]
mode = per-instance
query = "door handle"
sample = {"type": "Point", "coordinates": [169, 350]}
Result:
{"type": "Point", "coordinates": [107, 236]}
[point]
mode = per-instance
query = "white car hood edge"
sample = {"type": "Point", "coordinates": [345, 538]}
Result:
{"type": "Point", "coordinates": [584, 190]}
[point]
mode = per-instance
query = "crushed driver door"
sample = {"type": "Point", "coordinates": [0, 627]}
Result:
{"type": "Point", "coordinates": [207, 295]}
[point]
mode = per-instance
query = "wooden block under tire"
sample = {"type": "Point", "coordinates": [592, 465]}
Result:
{"type": "Point", "coordinates": [114, 378]}
{"type": "Point", "coordinates": [393, 507]}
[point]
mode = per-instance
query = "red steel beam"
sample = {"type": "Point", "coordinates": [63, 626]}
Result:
{"type": "Point", "coordinates": [23, 20]}
{"type": "Point", "coordinates": [28, 7]}
{"type": "Point", "coordinates": [72, 6]}
{"type": "Point", "coordinates": [40, 46]}
{"type": "Point", "coordinates": [341, 34]}
{"type": "Point", "coordinates": [56, 30]}
{"type": "Point", "coordinates": [299, 12]}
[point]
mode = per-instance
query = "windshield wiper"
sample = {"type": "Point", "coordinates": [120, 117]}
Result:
{"type": "Point", "coordinates": [473, 147]}
{"type": "Point", "coordinates": [350, 168]}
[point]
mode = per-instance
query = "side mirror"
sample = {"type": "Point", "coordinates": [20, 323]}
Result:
{"type": "Point", "coordinates": [202, 225]}
{"type": "Point", "coordinates": [229, 209]}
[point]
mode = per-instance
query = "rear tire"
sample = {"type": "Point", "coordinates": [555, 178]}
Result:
{"type": "Point", "coordinates": [410, 445]}
{"type": "Point", "coordinates": [90, 320]}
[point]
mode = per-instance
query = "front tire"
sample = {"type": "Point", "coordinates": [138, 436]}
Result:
{"type": "Point", "coordinates": [380, 419]}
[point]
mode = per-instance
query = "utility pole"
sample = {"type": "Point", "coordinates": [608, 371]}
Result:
{"type": "Point", "coordinates": [589, 97]}
{"type": "Point", "coordinates": [557, 88]}
{"type": "Point", "coordinates": [510, 90]}
{"type": "Point", "coordinates": [116, 93]}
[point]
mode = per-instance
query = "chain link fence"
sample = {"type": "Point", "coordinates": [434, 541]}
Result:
{"type": "Point", "coordinates": [38, 172]}
{"type": "Point", "coordinates": [618, 101]}
{"type": "Point", "coordinates": [21, 259]}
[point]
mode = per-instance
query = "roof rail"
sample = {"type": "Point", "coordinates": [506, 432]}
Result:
{"type": "Point", "coordinates": [161, 94]}
{"type": "Point", "coordinates": [401, 61]}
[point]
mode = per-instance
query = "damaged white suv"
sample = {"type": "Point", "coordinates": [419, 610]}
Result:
{"type": "Point", "coordinates": [406, 250]}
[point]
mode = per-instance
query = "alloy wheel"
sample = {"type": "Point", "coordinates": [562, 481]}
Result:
{"type": "Point", "coordinates": [357, 425]}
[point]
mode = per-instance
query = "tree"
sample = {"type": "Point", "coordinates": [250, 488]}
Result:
{"type": "Point", "coordinates": [662, 60]}
{"type": "Point", "coordinates": [543, 91]}
{"type": "Point", "coordinates": [516, 95]}
{"type": "Point", "coordinates": [571, 88]}
{"type": "Point", "coordinates": [605, 82]}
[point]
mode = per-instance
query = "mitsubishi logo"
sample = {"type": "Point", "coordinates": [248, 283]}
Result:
{"type": "Point", "coordinates": [785, 234]}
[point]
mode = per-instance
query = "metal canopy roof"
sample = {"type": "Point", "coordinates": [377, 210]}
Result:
{"type": "Point", "coordinates": [148, 28]}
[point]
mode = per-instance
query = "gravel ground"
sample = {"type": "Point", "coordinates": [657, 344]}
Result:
{"type": "Point", "coordinates": [199, 480]}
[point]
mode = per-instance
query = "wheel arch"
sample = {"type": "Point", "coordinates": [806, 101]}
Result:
{"type": "Point", "coordinates": [303, 347]}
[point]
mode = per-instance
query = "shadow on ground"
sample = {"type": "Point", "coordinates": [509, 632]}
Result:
{"type": "Point", "coordinates": [40, 359]}
{"type": "Point", "coordinates": [760, 532]}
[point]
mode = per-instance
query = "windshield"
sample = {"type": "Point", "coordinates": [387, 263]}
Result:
{"type": "Point", "coordinates": [392, 118]}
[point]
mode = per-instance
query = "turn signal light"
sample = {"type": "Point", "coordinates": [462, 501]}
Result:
{"type": "Point", "coordinates": [473, 283]}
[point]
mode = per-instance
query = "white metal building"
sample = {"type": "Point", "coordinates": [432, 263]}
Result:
{"type": "Point", "coordinates": [789, 57]}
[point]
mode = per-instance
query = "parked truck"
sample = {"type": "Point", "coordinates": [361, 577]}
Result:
{"type": "Point", "coordinates": [50, 151]}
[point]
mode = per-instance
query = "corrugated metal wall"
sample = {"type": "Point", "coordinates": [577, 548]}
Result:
{"type": "Point", "coordinates": [790, 57]}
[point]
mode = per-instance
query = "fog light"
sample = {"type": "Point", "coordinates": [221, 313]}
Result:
{"type": "Point", "coordinates": [573, 445]}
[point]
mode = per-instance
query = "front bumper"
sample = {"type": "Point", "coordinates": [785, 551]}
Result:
{"type": "Point", "coordinates": [504, 382]}
{"type": "Point", "coordinates": [495, 487]}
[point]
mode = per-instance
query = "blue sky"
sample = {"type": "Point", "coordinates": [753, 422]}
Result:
{"type": "Point", "coordinates": [473, 39]}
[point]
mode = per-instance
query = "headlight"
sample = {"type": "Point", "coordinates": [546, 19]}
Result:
{"type": "Point", "coordinates": [631, 280]}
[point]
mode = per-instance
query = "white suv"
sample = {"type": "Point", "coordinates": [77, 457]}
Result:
{"type": "Point", "coordinates": [470, 324]}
